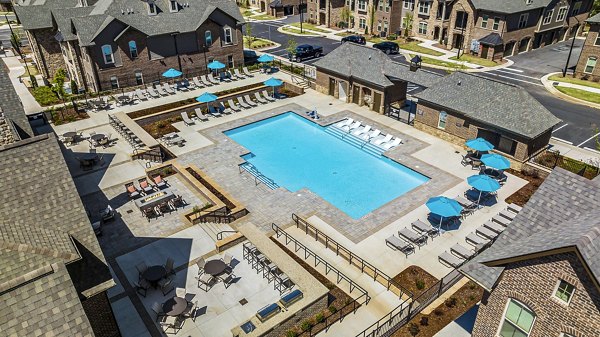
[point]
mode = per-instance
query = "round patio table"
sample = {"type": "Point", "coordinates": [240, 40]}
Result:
{"type": "Point", "coordinates": [70, 134]}
{"type": "Point", "coordinates": [154, 274]}
{"type": "Point", "coordinates": [175, 306]}
{"type": "Point", "coordinates": [89, 156]}
{"type": "Point", "coordinates": [98, 137]}
{"type": "Point", "coordinates": [214, 267]}
{"type": "Point", "coordinates": [491, 172]}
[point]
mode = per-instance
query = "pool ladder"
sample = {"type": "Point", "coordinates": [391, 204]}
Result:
{"type": "Point", "coordinates": [349, 138]}
{"type": "Point", "coordinates": [258, 176]}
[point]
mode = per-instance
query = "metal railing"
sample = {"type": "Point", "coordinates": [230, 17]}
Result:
{"type": "Point", "coordinates": [364, 266]}
{"type": "Point", "coordinates": [220, 234]}
{"type": "Point", "coordinates": [247, 166]}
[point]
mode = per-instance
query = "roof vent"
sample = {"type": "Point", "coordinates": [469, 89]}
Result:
{"type": "Point", "coordinates": [459, 83]}
{"type": "Point", "coordinates": [122, 12]}
{"type": "Point", "coordinates": [369, 57]}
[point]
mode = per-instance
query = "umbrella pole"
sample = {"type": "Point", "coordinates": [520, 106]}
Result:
{"type": "Point", "coordinates": [479, 199]}
{"type": "Point", "coordinates": [441, 220]}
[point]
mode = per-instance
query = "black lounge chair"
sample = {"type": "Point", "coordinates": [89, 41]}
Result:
{"type": "Point", "coordinates": [403, 246]}
{"type": "Point", "coordinates": [417, 239]}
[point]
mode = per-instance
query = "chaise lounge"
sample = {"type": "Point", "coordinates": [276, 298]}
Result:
{"type": "Point", "coordinates": [403, 246]}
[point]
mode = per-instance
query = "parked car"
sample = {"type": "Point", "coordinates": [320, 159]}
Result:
{"type": "Point", "coordinates": [305, 51]}
{"type": "Point", "coordinates": [250, 57]}
{"type": "Point", "coordinates": [355, 38]}
{"type": "Point", "coordinates": [387, 47]}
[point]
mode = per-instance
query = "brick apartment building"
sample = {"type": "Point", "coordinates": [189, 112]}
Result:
{"type": "Point", "coordinates": [281, 8]}
{"type": "Point", "coordinates": [586, 66]}
{"type": "Point", "coordinates": [107, 44]}
{"type": "Point", "coordinates": [542, 275]}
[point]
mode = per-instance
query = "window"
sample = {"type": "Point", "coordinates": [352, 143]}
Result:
{"type": "Point", "coordinates": [496, 24]}
{"type": "Point", "coordinates": [442, 120]}
{"type": "Point", "coordinates": [362, 23]}
{"type": "Point", "coordinates": [230, 61]}
{"type": "Point", "coordinates": [562, 13]}
{"type": "Point", "coordinates": [518, 320]}
{"type": "Point", "coordinates": [576, 8]}
{"type": "Point", "coordinates": [208, 38]}
{"type": "Point", "coordinates": [424, 8]}
{"type": "Point", "coordinates": [379, 26]}
{"type": "Point", "coordinates": [597, 42]}
{"type": "Point", "coordinates": [139, 78]}
{"type": "Point", "coordinates": [380, 5]}
{"type": "Point", "coordinates": [151, 8]}
{"type": "Point", "coordinates": [528, 2]}
{"type": "Point", "coordinates": [564, 334]}
{"type": "Point", "coordinates": [133, 49]}
{"type": "Point", "coordinates": [484, 21]}
{"type": "Point", "coordinates": [108, 54]}
{"type": "Point", "coordinates": [590, 65]}
{"type": "Point", "coordinates": [548, 17]}
{"type": "Point", "coordinates": [564, 291]}
{"type": "Point", "coordinates": [174, 7]}
{"type": "Point", "coordinates": [114, 82]}
{"type": "Point", "coordinates": [385, 26]}
{"type": "Point", "coordinates": [523, 20]}
{"type": "Point", "coordinates": [387, 6]}
{"type": "Point", "coordinates": [362, 5]}
{"type": "Point", "coordinates": [423, 28]}
{"type": "Point", "coordinates": [228, 36]}
{"type": "Point", "coordinates": [408, 4]}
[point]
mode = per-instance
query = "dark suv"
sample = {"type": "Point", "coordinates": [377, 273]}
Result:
{"type": "Point", "coordinates": [355, 38]}
{"type": "Point", "coordinates": [387, 47]}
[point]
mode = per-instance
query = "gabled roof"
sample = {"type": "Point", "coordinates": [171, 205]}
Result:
{"type": "Point", "coordinates": [11, 107]}
{"type": "Point", "coordinates": [371, 65]}
{"type": "Point", "coordinates": [503, 105]}
{"type": "Point", "coordinates": [509, 6]}
{"type": "Point", "coordinates": [594, 19]}
{"type": "Point", "coordinates": [492, 39]}
{"type": "Point", "coordinates": [564, 212]}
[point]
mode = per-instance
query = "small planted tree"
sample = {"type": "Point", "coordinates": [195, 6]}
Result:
{"type": "Point", "coordinates": [371, 17]}
{"type": "Point", "coordinates": [59, 83]}
{"type": "Point", "coordinates": [249, 36]}
{"type": "Point", "coordinates": [291, 47]}
{"type": "Point", "coordinates": [408, 22]}
{"type": "Point", "coordinates": [346, 16]}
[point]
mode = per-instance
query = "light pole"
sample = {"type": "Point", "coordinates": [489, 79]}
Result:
{"type": "Point", "coordinates": [301, 17]}
{"type": "Point", "coordinates": [571, 49]}
{"type": "Point", "coordinates": [176, 49]}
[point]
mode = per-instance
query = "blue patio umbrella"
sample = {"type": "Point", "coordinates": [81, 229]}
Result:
{"type": "Point", "coordinates": [264, 58]}
{"type": "Point", "coordinates": [483, 183]}
{"type": "Point", "coordinates": [444, 207]}
{"type": "Point", "coordinates": [215, 65]}
{"type": "Point", "coordinates": [494, 160]}
{"type": "Point", "coordinates": [171, 73]}
{"type": "Point", "coordinates": [273, 82]}
{"type": "Point", "coordinates": [206, 97]}
{"type": "Point", "coordinates": [479, 144]}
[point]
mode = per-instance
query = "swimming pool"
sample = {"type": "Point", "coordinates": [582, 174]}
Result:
{"type": "Point", "coordinates": [298, 153]}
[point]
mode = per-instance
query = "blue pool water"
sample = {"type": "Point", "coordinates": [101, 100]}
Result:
{"type": "Point", "coordinates": [297, 153]}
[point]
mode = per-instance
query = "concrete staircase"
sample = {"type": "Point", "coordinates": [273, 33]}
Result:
{"type": "Point", "coordinates": [354, 141]}
{"type": "Point", "coordinates": [212, 229]}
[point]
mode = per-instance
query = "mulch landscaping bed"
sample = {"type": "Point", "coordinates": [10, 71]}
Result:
{"type": "Point", "coordinates": [337, 298]}
{"type": "Point", "coordinates": [459, 303]}
{"type": "Point", "coordinates": [66, 115]}
{"type": "Point", "coordinates": [162, 127]}
{"type": "Point", "coordinates": [415, 279]}
{"type": "Point", "coordinates": [535, 178]}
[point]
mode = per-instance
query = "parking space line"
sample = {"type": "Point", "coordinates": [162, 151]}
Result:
{"type": "Point", "coordinates": [562, 140]}
{"type": "Point", "coordinates": [514, 79]}
{"type": "Point", "coordinates": [587, 140]}
{"type": "Point", "coordinates": [506, 72]}
{"type": "Point", "coordinates": [560, 127]}
{"type": "Point", "coordinates": [513, 69]}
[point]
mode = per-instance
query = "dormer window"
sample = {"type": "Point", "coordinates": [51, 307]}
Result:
{"type": "Point", "coordinates": [228, 35]}
{"type": "Point", "coordinates": [152, 8]}
{"type": "Point", "coordinates": [107, 53]}
{"type": "Point", "coordinates": [133, 49]}
{"type": "Point", "coordinates": [528, 2]}
{"type": "Point", "coordinates": [174, 6]}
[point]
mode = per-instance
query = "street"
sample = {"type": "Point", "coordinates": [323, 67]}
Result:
{"type": "Point", "coordinates": [580, 122]}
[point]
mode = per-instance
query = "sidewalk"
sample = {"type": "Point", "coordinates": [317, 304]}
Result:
{"type": "Point", "coordinates": [550, 86]}
{"type": "Point", "coordinates": [574, 152]}
{"type": "Point", "coordinates": [16, 69]}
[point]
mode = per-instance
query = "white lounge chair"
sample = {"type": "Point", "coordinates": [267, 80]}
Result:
{"type": "Point", "coordinates": [381, 139]}
{"type": "Point", "coordinates": [140, 94]}
{"type": "Point", "coordinates": [352, 126]}
{"type": "Point", "coordinates": [403, 246]}
{"type": "Point", "coordinates": [205, 80]}
{"type": "Point", "coordinates": [236, 73]}
{"type": "Point", "coordinates": [200, 115]}
{"type": "Point", "coordinates": [362, 130]}
{"type": "Point", "coordinates": [450, 259]}
{"type": "Point", "coordinates": [161, 90]}
{"type": "Point", "coordinates": [369, 135]}
{"type": "Point", "coordinates": [345, 122]}
{"type": "Point", "coordinates": [152, 93]}
{"type": "Point", "coordinates": [233, 106]}
{"type": "Point", "coordinates": [249, 100]}
{"type": "Point", "coordinates": [224, 109]}
{"type": "Point", "coordinates": [268, 97]}
{"type": "Point", "coordinates": [212, 79]}
{"type": "Point", "coordinates": [242, 103]}
{"type": "Point", "coordinates": [392, 144]}
{"type": "Point", "coordinates": [247, 73]}
{"type": "Point", "coordinates": [168, 88]}
{"type": "Point", "coordinates": [259, 98]}
{"type": "Point", "coordinates": [186, 118]}
{"type": "Point", "coordinates": [197, 82]}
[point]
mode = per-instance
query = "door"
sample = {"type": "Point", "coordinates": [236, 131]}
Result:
{"type": "Point", "coordinates": [331, 87]}
{"type": "Point", "coordinates": [436, 33]}
{"type": "Point", "coordinates": [355, 94]}
{"type": "Point", "coordinates": [376, 102]}
{"type": "Point", "coordinates": [342, 88]}
{"type": "Point", "coordinates": [508, 49]}
{"type": "Point", "coordinates": [484, 51]}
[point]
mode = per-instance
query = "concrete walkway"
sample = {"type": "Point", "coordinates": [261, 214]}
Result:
{"type": "Point", "coordinates": [551, 87]}
{"type": "Point", "coordinates": [16, 69]}
{"type": "Point", "coordinates": [462, 326]}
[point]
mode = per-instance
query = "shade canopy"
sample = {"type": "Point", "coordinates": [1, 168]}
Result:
{"type": "Point", "coordinates": [479, 144]}
{"type": "Point", "coordinates": [494, 160]}
{"type": "Point", "coordinates": [206, 98]}
{"type": "Point", "coordinates": [483, 183]}
{"type": "Point", "coordinates": [172, 73]}
{"type": "Point", "coordinates": [444, 207]}
{"type": "Point", "coordinates": [273, 82]}
{"type": "Point", "coordinates": [265, 58]}
{"type": "Point", "coordinates": [214, 65]}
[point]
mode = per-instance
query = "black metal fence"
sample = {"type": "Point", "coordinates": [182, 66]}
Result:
{"type": "Point", "coordinates": [552, 158]}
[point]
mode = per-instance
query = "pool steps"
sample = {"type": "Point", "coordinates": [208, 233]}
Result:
{"type": "Point", "coordinates": [354, 141]}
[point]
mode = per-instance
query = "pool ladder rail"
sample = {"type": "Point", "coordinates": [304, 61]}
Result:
{"type": "Point", "coordinates": [258, 176]}
{"type": "Point", "coordinates": [355, 141]}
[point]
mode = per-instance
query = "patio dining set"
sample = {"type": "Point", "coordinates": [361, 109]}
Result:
{"type": "Point", "coordinates": [153, 199]}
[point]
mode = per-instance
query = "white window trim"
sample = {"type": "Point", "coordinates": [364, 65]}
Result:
{"type": "Point", "coordinates": [423, 4]}
{"type": "Point", "coordinates": [526, 16]}
{"type": "Point", "coordinates": [152, 5]}
{"type": "Point", "coordinates": [225, 30]}
{"type": "Point", "coordinates": [484, 21]}
{"type": "Point", "coordinates": [117, 80]}
{"type": "Point", "coordinates": [440, 119]}
{"type": "Point", "coordinates": [136, 50]}
{"type": "Point", "coordinates": [597, 40]}
{"type": "Point", "coordinates": [494, 23]}
{"type": "Point", "coordinates": [112, 54]}
{"type": "Point", "coordinates": [141, 75]}
{"type": "Point", "coordinates": [176, 9]}
{"type": "Point", "coordinates": [408, 4]}
{"type": "Point", "coordinates": [362, 5]}
{"type": "Point", "coordinates": [547, 17]}
{"type": "Point", "coordinates": [503, 317]}
{"type": "Point", "coordinates": [560, 280]}
{"type": "Point", "coordinates": [586, 65]}
{"type": "Point", "coordinates": [211, 39]}
{"type": "Point", "coordinates": [565, 12]}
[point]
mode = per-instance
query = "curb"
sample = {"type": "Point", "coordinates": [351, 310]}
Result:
{"type": "Point", "coordinates": [555, 92]}
{"type": "Point", "coordinates": [315, 34]}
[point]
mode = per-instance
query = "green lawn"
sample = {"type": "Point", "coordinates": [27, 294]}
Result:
{"type": "Point", "coordinates": [476, 60]}
{"type": "Point", "coordinates": [262, 17]}
{"type": "Point", "coordinates": [581, 94]}
{"type": "Point", "coordinates": [344, 34]}
{"type": "Point", "coordinates": [572, 80]}
{"type": "Point", "coordinates": [376, 39]}
{"type": "Point", "coordinates": [247, 13]}
{"type": "Point", "coordinates": [309, 26]}
{"type": "Point", "coordinates": [436, 62]}
{"type": "Point", "coordinates": [32, 70]}
{"type": "Point", "coordinates": [414, 46]}
{"type": "Point", "coordinates": [296, 31]}
{"type": "Point", "coordinates": [257, 43]}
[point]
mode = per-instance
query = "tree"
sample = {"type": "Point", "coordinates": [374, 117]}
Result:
{"type": "Point", "coordinates": [408, 22]}
{"type": "Point", "coordinates": [595, 8]}
{"type": "Point", "coordinates": [59, 82]}
{"type": "Point", "coordinates": [371, 17]}
{"type": "Point", "coordinates": [346, 15]}
{"type": "Point", "coordinates": [15, 41]}
{"type": "Point", "coordinates": [249, 36]}
{"type": "Point", "coordinates": [291, 47]}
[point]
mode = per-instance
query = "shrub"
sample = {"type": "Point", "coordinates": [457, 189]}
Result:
{"type": "Point", "coordinates": [392, 37]}
{"type": "Point", "coordinates": [306, 325]}
{"type": "Point", "coordinates": [471, 298]}
{"type": "Point", "coordinates": [414, 329]}
{"type": "Point", "coordinates": [161, 124]}
{"type": "Point", "coordinates": [438, 312]}
{"type": "Point", "coordinates": [291, 333]}
{"type": "Point", "coordinates": [420, 284]}
{"type": "Point", "coordinates": [45, 96]}
{"type": "Point", "coordinates": [451, 302]}
{"type": "Point", "coordinates": [320, 317]}
{"type": "Point", "coordinates": [472, 285]}
{"type": "Point", "coordinates": [332, 309]}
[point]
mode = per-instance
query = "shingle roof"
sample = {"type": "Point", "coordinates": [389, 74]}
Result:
{"type": "Point", "coordinates": [564, 212]}
{"type": "Point", "coordinates": [371, 65]}
{"type": "Point", "coordinates": [509, 6]}
{"type": "Point", "coordinates": [496, 103]}
{"type": "Point", "coordinates": [43, 228]}
{"type": "Point", "coordinates": [89, 22]}
{"type": "Point", "coordinates": [11, 106]}
{"type": "Point", "coordinates": [594, 19]}
{"type": "Point", "coordinates": [492, 39]}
